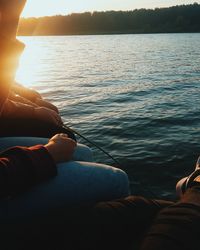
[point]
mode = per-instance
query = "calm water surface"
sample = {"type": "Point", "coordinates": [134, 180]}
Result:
{"type": "Point", "coordinates": [137, 96]}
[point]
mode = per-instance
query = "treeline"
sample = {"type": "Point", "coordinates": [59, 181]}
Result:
{"type": "Point", "coordinates": [184, 18]}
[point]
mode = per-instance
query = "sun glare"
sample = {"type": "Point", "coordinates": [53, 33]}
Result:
{"type": "Point", "coordinates": [31, 62]}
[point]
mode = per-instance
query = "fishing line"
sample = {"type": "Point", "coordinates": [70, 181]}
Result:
{"type": "Point", "coordinates": [145, 189]}
{"type": "Point", "coordinates": [92, 143]}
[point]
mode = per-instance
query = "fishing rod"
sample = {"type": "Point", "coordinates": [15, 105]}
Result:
{"type": "Point", "coordinates": [92, 143]}
{"type": "Point", "coordinates": [64, 126]}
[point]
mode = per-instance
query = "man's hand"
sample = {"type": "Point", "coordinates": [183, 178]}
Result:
{"type": "Point", "coordinates": [25, 92]}
{"type": "Point", "coordinates": [48, 115]}
{"type": "Point", "coordinates": [42, 103]}
{"type": "Point", "coordinates": [61, 148]}
{"type": "Point", "coordinates": [33, 96]}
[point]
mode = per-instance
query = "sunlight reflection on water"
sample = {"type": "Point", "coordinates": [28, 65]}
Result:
{"type": "Point", "coordinates": [137, 96]}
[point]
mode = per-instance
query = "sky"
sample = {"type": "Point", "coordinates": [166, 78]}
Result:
{"type": "Point", "coordinates": [38, 8]}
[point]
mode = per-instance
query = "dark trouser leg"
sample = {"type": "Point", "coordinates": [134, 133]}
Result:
{"type": "Point", "coordinates": [178, 226]}
{"type": "Point", "coordinates": [121, 224]}
{"type": "Point", "coordinates": [118, 224]}
{"type": "Point", "coordinates": [30, 127]}
{"type": "Point", "coordinates": [111, 225]}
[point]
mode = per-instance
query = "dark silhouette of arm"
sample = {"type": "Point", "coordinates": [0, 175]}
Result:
{"type": "Point", "coordinates": [9, 55]}
{"type": "Point", "coordinates": [21, 168]}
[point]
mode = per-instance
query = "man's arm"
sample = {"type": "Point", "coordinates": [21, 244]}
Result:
{"type": "Point", "coordinates": [17, 98]}
{"type": "Point", "coordinates": [26, 93]}
{"type": "Point", "coordinates": [9, 54]}
{"type": "Point", "coordinates": [10, 48]}
{"type": "Point", "coordinates": [17, 110]}
{"type": "Point", "coordinates": [21, 168]}
{"type": "Point", "coordinates": [32, 96]}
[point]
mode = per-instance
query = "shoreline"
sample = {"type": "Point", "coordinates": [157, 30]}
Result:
{"type": "Point", "coordinates": [105, 33]}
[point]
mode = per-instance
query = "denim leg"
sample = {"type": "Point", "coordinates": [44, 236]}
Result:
{"type": "Point", "coordinates": [77, 182]}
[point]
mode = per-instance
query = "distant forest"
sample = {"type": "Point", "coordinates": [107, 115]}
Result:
{"type": "Point", "coordinates": [184, 18]}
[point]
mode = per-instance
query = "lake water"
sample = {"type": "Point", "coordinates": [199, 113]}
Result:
{"type": "Point", "coordinates": [137, 96]}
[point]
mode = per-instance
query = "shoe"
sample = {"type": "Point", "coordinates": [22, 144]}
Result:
{"type": "Point", "coordinates": [186, 182]}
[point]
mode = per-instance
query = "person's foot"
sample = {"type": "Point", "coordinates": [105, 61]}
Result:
{"type": "Point", "coordinates": [186, 182]}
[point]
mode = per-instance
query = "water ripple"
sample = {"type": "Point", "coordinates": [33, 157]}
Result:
{"type": "Point", "coordinates": [137, 96]}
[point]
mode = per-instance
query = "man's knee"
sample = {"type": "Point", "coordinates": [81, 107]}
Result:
{"type": "Point", "coordinates": [123, 182]}
{"type": "Point", "coordinates": [83, 153]}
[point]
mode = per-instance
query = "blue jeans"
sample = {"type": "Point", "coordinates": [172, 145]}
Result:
{"type": "Point", "coordinates": [77, 182]}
